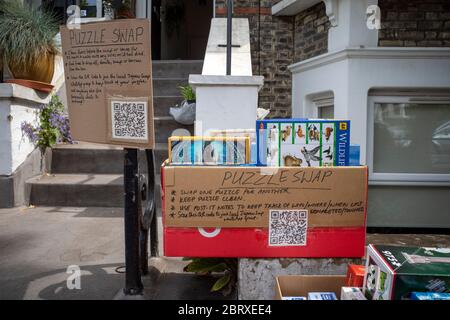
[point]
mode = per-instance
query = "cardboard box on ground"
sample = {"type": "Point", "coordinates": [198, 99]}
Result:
{"type": "Point", "coordinates": [300, 286]}
{"type": "Point", "coordinates": [264, 212]}
{"type": "Point", "coordinates": [394, 272]}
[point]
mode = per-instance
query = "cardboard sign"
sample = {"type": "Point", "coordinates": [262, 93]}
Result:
{"type": "Point", "coordinates": [243, 197]}
{"type": "Point", "coordinates": [107, 67]}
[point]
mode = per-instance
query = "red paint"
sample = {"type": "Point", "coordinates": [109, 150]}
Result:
{"type": "Point", "coordinates": [253, 242]}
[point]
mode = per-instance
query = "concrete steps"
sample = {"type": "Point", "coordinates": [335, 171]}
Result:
{"type": "Point", "coordinates": [91, 175]}
{"type": "Point", "coordinates": [77, 190]}
{"type": "Point", "coordinates": [176, 68]}
{"type": "Point", "coordinates": [96, 159]}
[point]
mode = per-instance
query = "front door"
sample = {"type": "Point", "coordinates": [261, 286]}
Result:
{"type": "Point", "coordinates": [184, 28]}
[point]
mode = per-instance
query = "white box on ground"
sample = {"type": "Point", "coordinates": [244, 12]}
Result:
{"type": "Point", "coordinates": [352, 293]}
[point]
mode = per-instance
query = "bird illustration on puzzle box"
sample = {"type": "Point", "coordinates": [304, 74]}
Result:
{"type": "Point", "coordinates": [310, 155]}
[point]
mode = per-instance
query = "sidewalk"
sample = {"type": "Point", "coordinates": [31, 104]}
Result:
{"type": "Point", "coordinates": [38, 244]}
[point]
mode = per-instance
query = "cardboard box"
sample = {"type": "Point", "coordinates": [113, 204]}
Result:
{"type": "Point", "coordinates": [394, 272]}
{"type": "Point", "coordinates": [322, 296]}
{"type": "Point", "coordinates": [352, 293]}
{"type": "Point", "coordinates": [250, 133]}
{"type": "Point", "coordinates": [430, 296]}
{"type": "Point", "coordinates": [355, 275]}
{"type": "Point", "coordinates": [108, 73]}
{"type": "Point", "coordinates": [264, 212]}
{"type": "Point", "coordinates": [199, 150]}
{"type": "Point", "coordinates": [303, 142]}
{"type": "Point", "coordinates": [300, 286]}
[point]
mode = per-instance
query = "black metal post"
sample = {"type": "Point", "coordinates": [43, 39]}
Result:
{"type": "Point", "coordinates": [229, 33]}
{"type": "Point", "coordinates": [151, 208]}
{"type": "Point", "coordinates": [133, 283]}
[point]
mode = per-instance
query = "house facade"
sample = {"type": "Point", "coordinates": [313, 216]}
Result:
{"type": "Point", "coordinates": [383, 64]}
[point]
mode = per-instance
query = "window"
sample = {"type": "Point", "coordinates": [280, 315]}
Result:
{"type": "Point", "coordinates": [326, 112]}
{"type": "Point", "coordinates": [409, 140]}
{"type": "Point", "coordinates": [325, 106]}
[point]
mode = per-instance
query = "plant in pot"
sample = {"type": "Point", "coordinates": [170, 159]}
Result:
{"type": "Point", "coordinates": [185, 114]}
{"type": "Point", "coordinates": [27, 40]}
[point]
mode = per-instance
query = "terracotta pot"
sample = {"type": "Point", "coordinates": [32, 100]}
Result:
{"type": "Point", "coordinates": [42, 69]}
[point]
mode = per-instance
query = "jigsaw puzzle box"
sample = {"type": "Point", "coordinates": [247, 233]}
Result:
{"type": "Point", "coordinates": [200, 150]}
{"type": "Point", "coordinates": [395, 272]}
{"type": "Point", "coordinates": [303, 142]}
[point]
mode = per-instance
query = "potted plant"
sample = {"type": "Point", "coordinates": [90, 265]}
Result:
{"type": "Point", "coordinates": [188, 94]}
{"type": "Point", "coordinates": [185, 114]}
{"type": "Point", "coordinates": [27, 40]}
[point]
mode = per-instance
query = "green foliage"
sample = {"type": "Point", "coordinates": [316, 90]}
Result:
{"type": "Point", "coordinates": [188, 93]}
{"type": "Point", "coordinates": [206, 266]}
{"type": "Point", "coordinates": [53, 126]}
{"type": "Point", "coordinates": [26, 33]}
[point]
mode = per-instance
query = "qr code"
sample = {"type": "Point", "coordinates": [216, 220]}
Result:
{"type": "Point", "coordinates": [288, 227]}
{"type": "Point", "coordinates": [129, 120]}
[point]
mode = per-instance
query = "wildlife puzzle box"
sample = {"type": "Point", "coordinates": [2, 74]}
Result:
{"type": "Point", "coordinates": [394, 272]}
{"type": "Point", "coordinates": [303, 142]}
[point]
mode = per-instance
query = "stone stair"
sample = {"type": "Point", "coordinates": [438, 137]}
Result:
{"type": "Point", "coordinates": [91, 175]}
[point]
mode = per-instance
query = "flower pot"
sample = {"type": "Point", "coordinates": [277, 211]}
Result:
{"type": "Point", "coordinates": [41, 70]}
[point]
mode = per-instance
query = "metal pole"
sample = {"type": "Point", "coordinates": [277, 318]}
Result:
{"type": "Point", "coordinates": [133, 284]}
{"type": "Point", "coordinates": [229, 34]}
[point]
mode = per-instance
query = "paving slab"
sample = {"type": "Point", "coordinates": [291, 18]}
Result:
{"type": "Point", "coordinates": [38, 244]}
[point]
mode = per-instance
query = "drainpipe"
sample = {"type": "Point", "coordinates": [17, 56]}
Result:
{"type": "Point", "coordinates": [229, 30]}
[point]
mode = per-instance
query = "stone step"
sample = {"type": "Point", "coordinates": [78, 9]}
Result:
{"type": "Point", "coordinates": [77, 190]}
{"type": "Point", "coordinates": [81, 190]}
{"type": "Point", "coordinates": [167, 126]}
{"type": "Point", "coordinates": [168, 86]}
{"type": "Point", "coordinates": [162, 104]}
{"type": "Point", "coordinates": [176, 68]}
{"type": "Point", "coordinates": [90, 158]}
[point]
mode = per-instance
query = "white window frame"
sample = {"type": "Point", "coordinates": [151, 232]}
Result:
{"type": "Point", "coordinates": [323, 100]}
{"type": "Point", "coordinates": [401, 179]}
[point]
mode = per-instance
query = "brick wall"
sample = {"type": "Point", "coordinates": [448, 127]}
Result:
{"type": "Point", "coordinates": [311, 33]}
{"type": "Point", "coordinates": [277, 42]}
{"type": "Point", "coordinates": [410, 23]}
{"type": "Point", "coordinates": [271, 40]}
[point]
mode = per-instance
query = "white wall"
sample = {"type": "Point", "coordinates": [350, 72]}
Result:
{"type": "Point", "coordinates": [5, 138]}
{"type": "Point", "coordinates": [14, 147]}
{"type": "Point", "coordinates": [351, 73]}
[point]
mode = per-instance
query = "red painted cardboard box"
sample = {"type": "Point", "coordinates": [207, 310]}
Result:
{"type": "Point", "coordinates": [212, 211]}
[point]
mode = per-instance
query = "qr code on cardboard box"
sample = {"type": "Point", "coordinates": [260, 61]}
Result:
{"type": "Point", "coordinates": [288, 227]}
{"type": "Point", "coordinates": [129, 120]}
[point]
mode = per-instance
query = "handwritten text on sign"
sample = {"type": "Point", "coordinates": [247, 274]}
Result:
{"type": "Point", "coordinates": [242, 197]}
{"type": "Point", "coordinates": [101, 60]}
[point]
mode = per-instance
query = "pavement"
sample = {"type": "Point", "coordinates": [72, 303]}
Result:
{"type": "Point", "coordinates": [39, 244]}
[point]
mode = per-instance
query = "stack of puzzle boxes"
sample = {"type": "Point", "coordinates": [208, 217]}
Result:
{"type": "Point", "coordinates": [297, 197]}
